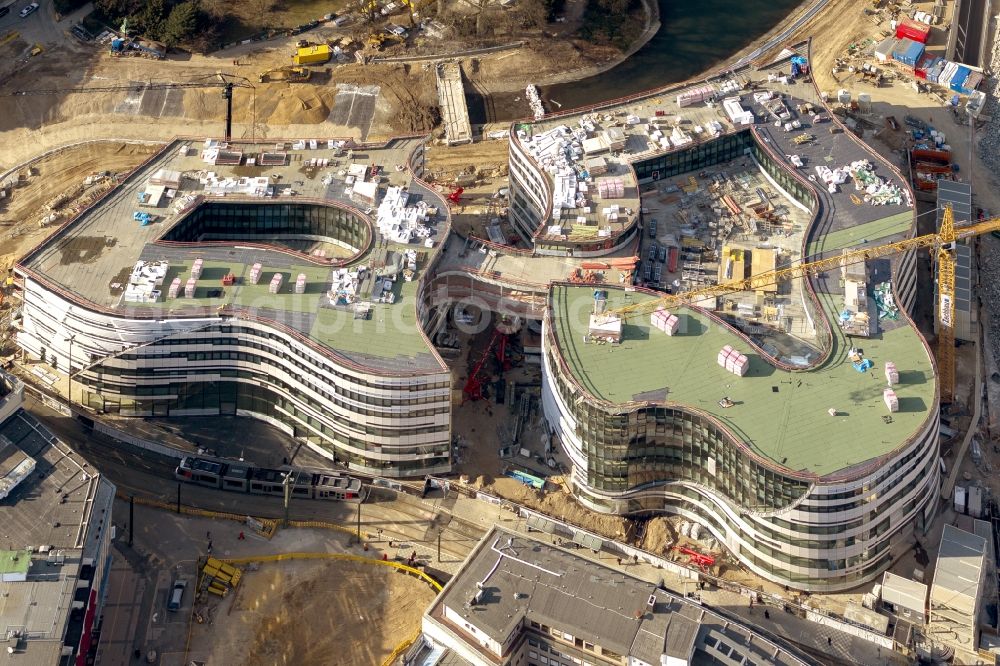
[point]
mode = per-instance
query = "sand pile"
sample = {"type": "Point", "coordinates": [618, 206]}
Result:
{"type": "Point", "coordinates": [558, 504]}
{"type": "Point", "coordinates": [298, 105]}
{"type": "Point", "coordinates": [659, 535]}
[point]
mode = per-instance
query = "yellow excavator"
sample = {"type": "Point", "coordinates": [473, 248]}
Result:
{"type": "Point", "coordinates": [285, 74]}
{"type": "Point", "coordinates": [379, 40]}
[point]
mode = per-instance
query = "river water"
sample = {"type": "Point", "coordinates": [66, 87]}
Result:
{"type": "Point", "coordinates": [694, 36]}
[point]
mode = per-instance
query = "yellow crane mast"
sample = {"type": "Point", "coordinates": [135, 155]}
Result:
{"type": "Point", "coordinates": [943, 243]}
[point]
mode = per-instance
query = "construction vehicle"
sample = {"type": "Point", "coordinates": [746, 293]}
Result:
{"type": "Point", "coordinates": [456, 195]}
{"type": "Point", "coordinates": [225, 81]}
{"type": "Point", "coordinates": [285, 75]}
{"type": "Point", "coordinates": [473, 389]}
{"type": "Point", "coordinates": [942, 244]}
{"type": "Point", "coordinates": [802, 138]}
{"type": "Point", "coordinates": [312, 55]}
{"type": "Point", "coordinates": [135, 46]}
{"type": "Point", "coordinates": [378, 40]}
{"type": "Point", "coordinates": [698, 559]}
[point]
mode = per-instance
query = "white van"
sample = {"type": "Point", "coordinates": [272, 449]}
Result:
{"type": "Point", "coordinates": [176, 595]}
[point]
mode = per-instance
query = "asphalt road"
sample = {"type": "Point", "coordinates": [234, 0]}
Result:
{"type": "Point", "coordinates": [147, 474]}
{"type": "Point", "coordinates": [783, 35]}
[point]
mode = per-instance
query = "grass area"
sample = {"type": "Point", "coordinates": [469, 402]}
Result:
{"type": "Point", "coordinates": [392, 331]}
{"type": "Point", "coordinates": [612, 22]}
{"type": "Point", "coordinates": [241, 20]}
{"type": "Point", "coordinates": [851, 236]}
{"type": "Point", "coordinates": [782, 415]}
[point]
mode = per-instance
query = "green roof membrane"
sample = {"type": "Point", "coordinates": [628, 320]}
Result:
{"type": "Point", "coordinates": [781, 415]}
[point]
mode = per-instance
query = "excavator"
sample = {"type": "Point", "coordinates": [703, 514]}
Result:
{"type": "Point", "coordinates": [379, 40]}
{"type": "Point", "coordinates": [287, 74]}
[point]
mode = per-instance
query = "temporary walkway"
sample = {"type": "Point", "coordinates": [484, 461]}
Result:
{"type": "Point", "coordinates": [454, 112]}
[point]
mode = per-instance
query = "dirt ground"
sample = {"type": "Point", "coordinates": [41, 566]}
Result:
{"type": "Point", "coordinates": [58, 174]}
{"type": "Point", "coordinates": [359, 613]}
{"type": "Point", "coordinates": [843, 23]}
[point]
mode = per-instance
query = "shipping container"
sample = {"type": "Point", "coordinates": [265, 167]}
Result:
{"type": "Point", "coordinates": [923, 66]}
{"type": "Point", "coordinates": [957, 82]}
{"type": "Point", "coordinates": [312, 55]}
{"type": "Point", "coordinates": [884, 49]}
{"type": "Point", "coordinates": [909, 29]}
{"type": "Point", "coordinates": [908, 52]}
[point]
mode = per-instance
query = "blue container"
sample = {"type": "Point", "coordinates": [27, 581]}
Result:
{"type": "Point", "coordinates": [908, 52]}
{"type": "Point", "coordinates": [957, 82]}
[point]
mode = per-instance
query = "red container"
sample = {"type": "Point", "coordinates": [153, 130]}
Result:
{"type": "Point", "coordinates": [672, 262]}
{"type": "Point", "coordinates": [909, 29]}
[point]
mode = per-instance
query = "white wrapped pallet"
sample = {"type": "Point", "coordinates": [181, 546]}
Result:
{"type": "Point", "coordinates": [891, 374]}
{"type": "Point", "coordinates": [175, 288]}
{"type": "Point", "coordinates": [255, 272]}
{"type": "Point", "coordinates": [724, 354]}
{"type": "Point", "coordinates": [740, 365]}
{"type": "Point", "coordinates": [300, 284]}
{"type": "Point", "coordinates": [190, 287]}
{"type": "Point", "coordinates": [275, 285]}
{"type": "Point", "coordinates": [891, 401]}
{"type": "Point", "coordinates": [196, 268]}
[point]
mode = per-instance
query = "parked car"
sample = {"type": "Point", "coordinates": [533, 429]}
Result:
{"type": "Point", "coordinates": [30, 9]}
{"type": "Point", "coordinates": [176, 595]}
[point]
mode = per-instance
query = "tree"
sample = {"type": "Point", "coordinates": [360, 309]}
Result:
{"type": "Point", "coordinates": [182, 24]}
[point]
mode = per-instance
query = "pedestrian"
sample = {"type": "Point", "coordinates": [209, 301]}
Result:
{"type": "Point", "coordinates": [209, 547]}
{"type": "Point", "coordinates": [385, 557]}
{"type": "Point", "coordinates": [767, 614]}
{"type": "Point", "coordinates": [829, 640]}
{"type": "Point", "coordinates": [619, 561]}
{"type": "Point", "coordinates": [242, 537]}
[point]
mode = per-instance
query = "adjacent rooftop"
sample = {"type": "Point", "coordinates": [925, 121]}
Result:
{"type": "Point", "coordinates": [781, 415]}
{"type": "Point", "coordinates": [95, 257]}
{"type": "Point", "coordinates": [511, 580]}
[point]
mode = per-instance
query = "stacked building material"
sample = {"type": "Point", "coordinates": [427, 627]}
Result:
{"type": "Point", "coordinates": [891, 374]}
{"type": "Point", "coordinates": [891, 401]}
{"type": "Point", "coordinates": [196, 268]}
{"type": "Point", "coordinates": [733, 361]}
{"type": "Point", "coordinates": [275, 285]}
{"type": "Point", "coordinates": [695, 95]}
{"type": "Point", "coordinates": [300, 284]}
{"type": "Point", "coordinates": [255, 272]}
{"type": "Point", "coordinates": [175, 288]}
{"type": "Point", "coordinates": [189, 287]}
{"type": "Point", "coordinates": [664, 321]}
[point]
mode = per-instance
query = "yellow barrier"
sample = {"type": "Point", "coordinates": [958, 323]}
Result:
{"type": "Point", "coordinates": [400, 649]}
{"type": "Point", "coordinates": [268, 526]}
{"type": "Point", "coordinates": [343, 557]}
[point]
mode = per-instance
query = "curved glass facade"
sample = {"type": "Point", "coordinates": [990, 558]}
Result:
{"type": "Point", "coordinates": [223, 220]}
{"type": "Point", "coordinates": [821, 534]}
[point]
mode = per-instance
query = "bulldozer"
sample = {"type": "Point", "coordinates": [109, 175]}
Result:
{"type": "Point", "coordinates": [379, 40]}
{"type": "Point", "coordinates": [285, 74]}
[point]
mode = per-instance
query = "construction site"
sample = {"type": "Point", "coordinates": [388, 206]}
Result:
{"type": "Point", "coordinates": [712, 301]}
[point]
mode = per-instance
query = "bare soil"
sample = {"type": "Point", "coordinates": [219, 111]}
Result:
{"type": "Point", "coordinates": [305, 612]}
{"type": "Point", "coordinates": [49, 178]}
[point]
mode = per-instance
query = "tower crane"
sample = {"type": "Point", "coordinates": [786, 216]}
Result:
{"type": "Point", "coordinates": [942, 244]}
{"type": "Point", "coordinates": [219, 80]}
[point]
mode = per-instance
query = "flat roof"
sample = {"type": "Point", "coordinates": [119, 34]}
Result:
{"type": "Point", "coordinates": [958, 572]}
{"type": "Point", "coordinates": [780, 415]}
{"type": "Point", "coordinates": [92, 256]}
{"type": "Point", "coordinates": [523, 578]}
{"type": "Point", "coordinates": [60, 512]}
{"type": "Point", "coordinates": [61, 489]}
